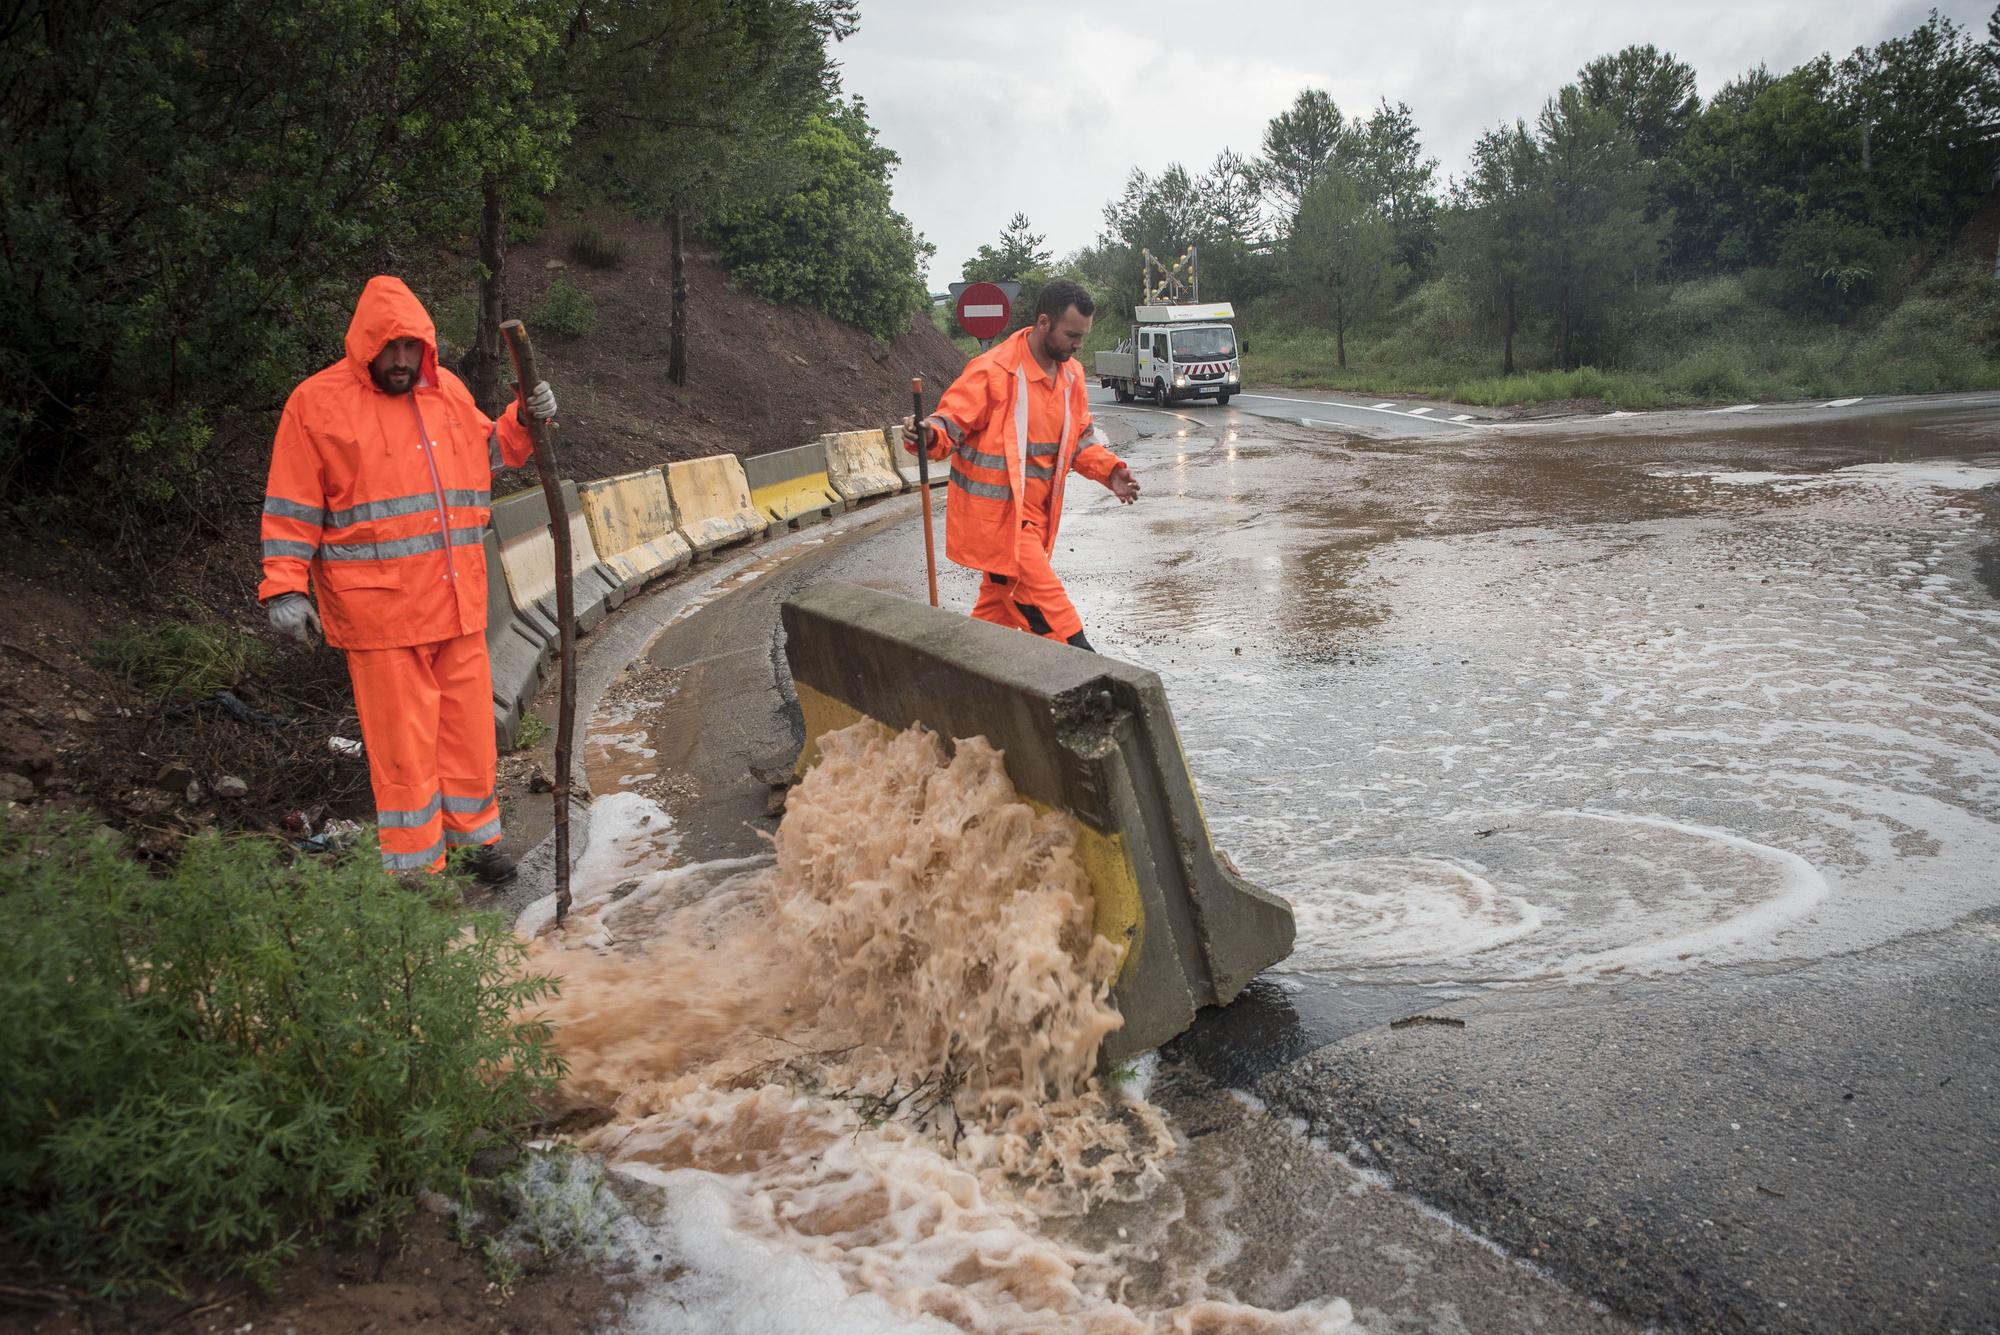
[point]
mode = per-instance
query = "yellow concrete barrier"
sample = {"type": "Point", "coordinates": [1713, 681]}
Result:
{"type": "Point", "coordinates": [791, 487]}
{"type": "Point", "coordinates": [528, 554]}
{"type": "Point", "coordinates": [1082, 733]}
{"type": "Point", "coordinates": [858, 466]}
{"type": "Point", "coordinates": [631, 519]}
{"type": "Point", "coordinates": [711, 499]}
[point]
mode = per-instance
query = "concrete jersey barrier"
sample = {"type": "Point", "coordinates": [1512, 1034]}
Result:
{"type": "Point", "coordinates": [1083, 734]}
{"type": "Point", "coordinates": [905, 463]}
{"type": "Point", "coordinates": [791, 488]}
{"type": "Point", "coordinates": [517, 651]}
{"type": "Point", "coordinates": [528, 554]}
{"type": "Point", "coordinates": [631, 521]}
{"type": "Point", "coordinates": [858, 466]}
{"type": "Point", "coordinates": [711, 500]}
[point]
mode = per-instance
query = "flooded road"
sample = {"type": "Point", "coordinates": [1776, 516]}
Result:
{"type": "Point", "coordinates": [1655, 767]}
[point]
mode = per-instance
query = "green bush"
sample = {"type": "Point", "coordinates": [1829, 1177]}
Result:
{"type": "Point", "coordinates": [209, 1068]}
{"type": "Point", "coordinates": [566, 309]}
{"type": "Point", "coordinates": [178, 661]}
{"type": "Point", "coordinates": [589, 245]}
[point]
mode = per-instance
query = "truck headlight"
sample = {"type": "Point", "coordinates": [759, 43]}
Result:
{"type": "Point", "coordinates": [1231, 377]}
{"type": "Point", "coordinates": [1180, 382]}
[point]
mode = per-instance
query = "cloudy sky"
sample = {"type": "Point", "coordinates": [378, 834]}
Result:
{"type": "Point", "coordinates": [1044, 108]}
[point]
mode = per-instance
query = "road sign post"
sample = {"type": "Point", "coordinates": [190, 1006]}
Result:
{"type": "Point", "coordinates": [982, 310]}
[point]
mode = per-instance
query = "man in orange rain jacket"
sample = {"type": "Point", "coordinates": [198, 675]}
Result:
{"type": "Point", "coordinates": [1013, 425]}
{"type": "Point", "coordinates": [378, 494]}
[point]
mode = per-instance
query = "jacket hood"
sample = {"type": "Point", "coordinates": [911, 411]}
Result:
{"type": "Point", "coordinates": [387, 311]}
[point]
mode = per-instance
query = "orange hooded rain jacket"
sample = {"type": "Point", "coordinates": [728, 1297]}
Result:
{"type": "Point", "coordinates": [984, 424]}
{"type": "Point", "coordinates": [381, 499]}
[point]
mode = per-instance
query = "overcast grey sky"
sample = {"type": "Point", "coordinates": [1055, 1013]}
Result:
{"type": "Point", "coordinates": [1044, 108]}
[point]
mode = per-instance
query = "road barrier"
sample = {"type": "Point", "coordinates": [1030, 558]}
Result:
{"type": "Point", "coordinates": [711, 499]}
{"type": "Point", "coordinates": [528, 554]}
{"type": "Point", "coordinates": [631, 520]}
{"type": "Point", "coordinates": [791, 488]}
{"type": "Point", "coordinates": [1081, 733]}
{"type": "Point", "coordinates": [904, 462]}
{"type": "Point", "coordinates": [857, 463]}
{"type": "Point", "coordinates": [516, 648]}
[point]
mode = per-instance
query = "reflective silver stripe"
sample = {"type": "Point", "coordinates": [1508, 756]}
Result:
{"type": "Point", "coordinates": [389, 551]}
{"type": "Point", "coordinates": [1040, 470]}
{"type": "Point", "coordinates": [992, 491]}
{"type": "Point", "coordinates": [413, 861]}
{"type": "Point", "coordinates": [284, 547]}
{"type": "Point", "coordinates": [407, 820]}
{"type": "Point", "coordinates": [485, 834]}
{"type": "Point", "coordinates": [950, 428]}
{"type": "Point", "coordinates": [284, 509]}
{"type": "Point", "coordinates": [1044, 449]}
{"type": "Point", "coordinates": [467, 806]}
{"type": "Point", "coordinates": [981, 458]}
{"type": "Point", "coordinates": [493, 455]}
{"type": "Point", "coordinates": [403, 505]}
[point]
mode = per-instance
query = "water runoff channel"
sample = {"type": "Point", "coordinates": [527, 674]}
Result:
{"type": "Point", "coordinates": [1513, 711]}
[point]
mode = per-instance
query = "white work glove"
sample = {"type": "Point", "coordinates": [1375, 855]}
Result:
{"type": "Point", "coordinates": [293, 614]}
{"type": "Point", "coordinates": [542, 402]}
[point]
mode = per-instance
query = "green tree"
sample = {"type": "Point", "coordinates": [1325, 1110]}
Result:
{"type": "Point", "coordinates": [1386, 158]}
{"type": "Point", "coordinates": [1589, 217]}
{"type": "Point", "coordinates": [190, 193]}
{"type": "Point", "coordinates": [1342, 255]}
{"type": "Point", "coordinates": [1298, 143]}
{"type": "Point", "coordinates": [1020, 253]}
{"type": "Point", "coordinates": [1651, 92]}
{"type": "Point", "coordinates": [835, 241]}
{"type": "Point", "coordinates": [1489, 232]}
{"type": "Point", "coordinates": [687, 109]}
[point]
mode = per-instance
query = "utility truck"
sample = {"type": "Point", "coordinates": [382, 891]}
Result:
{"type": "Point", "coordinates": [1175, 353]}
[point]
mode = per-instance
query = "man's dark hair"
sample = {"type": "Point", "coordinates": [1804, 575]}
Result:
{"type": "Point", "coordinates": [1059, 296]}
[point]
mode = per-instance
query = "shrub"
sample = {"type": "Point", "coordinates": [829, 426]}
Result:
{"type": "Point", "coordinates": [178, 661]}
{"type": "Point", "coordinates": [205, 1069]}
{"type": "Point", "coordinates": [566, 309]}
{"type": "Point", "coordinates": [589, 245]}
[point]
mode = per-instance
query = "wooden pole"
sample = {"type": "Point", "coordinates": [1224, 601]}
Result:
{"type": "Point", "coordinates": [525, 379]}
{"type": "Point", "coordinates": [924, 482]}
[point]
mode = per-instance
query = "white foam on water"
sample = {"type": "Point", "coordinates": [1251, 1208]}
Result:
{"type": "Point", "coordinates": [853, 1082]}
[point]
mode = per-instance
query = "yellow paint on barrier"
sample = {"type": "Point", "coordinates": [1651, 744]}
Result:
{"type": "Point", "coordinates": [632, 522]}
{"type": "Point", "coordinates": [796, 497]}
{"type": "Point", "coordinates": [711, 500]}
{"type": "Point", "coordinates": [1114, 885]}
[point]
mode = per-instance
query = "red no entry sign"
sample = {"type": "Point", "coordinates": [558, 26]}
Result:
{"type": "Point", "coordinates": [983, 310]}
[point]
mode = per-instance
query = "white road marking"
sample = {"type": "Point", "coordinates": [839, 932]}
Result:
{"type": "Point", "coordinates": [1739, 408]}
{"type": "Point", "coordinates": [1463, 417]}
{"type": "Point", "coordinates": [1418, 412]}
{"type": "Point", "coordinates": [1356, 407]}
{"type": "Point", "coordinates": [1390, 404]}
{"type": "Point", "coordinates": [1841, 403]}
{"type": "Point", "coordinates": [1621, 413]}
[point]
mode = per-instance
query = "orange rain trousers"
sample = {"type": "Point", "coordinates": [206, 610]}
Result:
{"type": "Point", "coordinates": [1033, 598]}
{"type": "Point", "coordinates": [427, 722]}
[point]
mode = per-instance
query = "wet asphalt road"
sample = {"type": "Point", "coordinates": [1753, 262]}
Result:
{"type": "Point", "coordinates": [1654, 761]}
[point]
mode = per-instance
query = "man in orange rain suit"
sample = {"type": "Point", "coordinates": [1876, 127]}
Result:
{"type": "Point", "coordinates": [1013, 425]}
{"type": "Point", "coordinates": [378, 494]}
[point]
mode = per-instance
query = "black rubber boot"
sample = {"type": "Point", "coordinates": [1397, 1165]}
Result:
{"type": "Point", "coordinates": [490, 865]}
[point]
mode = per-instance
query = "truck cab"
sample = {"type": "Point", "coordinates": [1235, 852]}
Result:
{"type": "Point", "coordinates": [1175, 353]}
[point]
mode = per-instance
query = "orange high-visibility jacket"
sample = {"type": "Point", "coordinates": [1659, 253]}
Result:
{"type": "Point", "coordinates": [981, 425]}
{"type": "Point", "coordinates": [382, 498]}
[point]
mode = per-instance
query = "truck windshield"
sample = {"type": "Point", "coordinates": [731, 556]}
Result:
{"type": "Point", "coordinates": [1216, 343]}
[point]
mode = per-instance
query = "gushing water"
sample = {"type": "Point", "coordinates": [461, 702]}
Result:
{"type": "Point", "coordinates": [862, 1076]}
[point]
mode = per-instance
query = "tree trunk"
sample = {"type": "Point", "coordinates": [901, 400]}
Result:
{"type": "Point", "coordinates": [677, 319]}
{"type": "Point", "coordinates": [1562, 329]}
{"type": "Point", "coordinates": [482, 368]}
{"type": "Point", "coordinates": [1507, 335]}
{"type": "Point", "coordinates": [1340, 331]}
